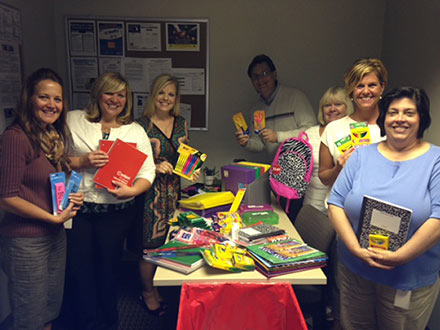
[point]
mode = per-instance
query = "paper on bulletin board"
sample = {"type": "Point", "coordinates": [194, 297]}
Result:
{"type": "Point", "coordinates": [191, 81]}
{"type": "Point", "coordinates": [185, 112]}
{"type": "Point", "coordinates": [140, 72]}
{"type": "Point", "coordinates": [110, 64]}
{"type": "Point", "coordinates": [143, 37]}
{"type": "Point", "coordinates": [183, 37]}
{"type": "Point", "coordinates": [10, 24]}
{"type": "Point", "coordinates": [82, 37]}
{"type": "Point", "coordinates": [139, 103]}
{"type": "Point", "coordinates": [10, 81]}
{"type": "Point", "coordinates": [111, 38]}
{"type": "Point", "coordinates": [135, 71]}
{"type": "Point", "coordinates": [84, 73]}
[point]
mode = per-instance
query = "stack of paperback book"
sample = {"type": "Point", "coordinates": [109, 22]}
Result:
{"type": "Point", "coordinates": [283, 257]}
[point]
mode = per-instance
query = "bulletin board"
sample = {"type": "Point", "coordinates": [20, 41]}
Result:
{"type": "Point", "coordinates": [140, 49]}
{"type": "Point", "coordinates": [11, 62]}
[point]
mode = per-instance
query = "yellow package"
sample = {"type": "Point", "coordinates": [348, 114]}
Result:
{"type": "Point", "coordinates": [240, 123]}
{"type": "Point", "coordinates": [212, 260]}
{"type": "Point", "coordinates": [344, 144]}
{"type": "Point", "coordinates": [243, 262]}
{"type": "Point", "coordinates": [379, 241]}
{"type": "Point", "coordinates": [360, 134]}
{"type": "Point", "coordinates": [259, 120]}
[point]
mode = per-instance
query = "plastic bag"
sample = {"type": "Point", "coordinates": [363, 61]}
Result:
{"type": "Point", "coordinates": [239, 306]}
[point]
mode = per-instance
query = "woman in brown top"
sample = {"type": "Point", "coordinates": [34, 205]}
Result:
{"type": "Point", "coordinates": [32, 238]}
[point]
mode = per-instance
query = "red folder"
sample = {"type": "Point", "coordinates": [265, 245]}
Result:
{"type": "Point", "coordinates": [123, 165]}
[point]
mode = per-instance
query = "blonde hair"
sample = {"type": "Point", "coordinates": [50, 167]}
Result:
{"type": "Point", "coordinates": [335, 94]}
{"type": "Point", "coordinates": [360, 69]}
{"type": "Point", "coordinates": [110, 82]}
{"type": "Point", "coordinates": [159, 83]}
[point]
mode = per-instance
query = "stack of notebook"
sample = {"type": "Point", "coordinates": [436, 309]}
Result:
{"type": "Point", "coordinates": [283, 257]}
{"type": "Point", "coordinates": [176, 256]}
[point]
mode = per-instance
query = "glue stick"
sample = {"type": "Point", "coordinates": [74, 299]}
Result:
{"type": "Point", "coordinates": [234, 231]}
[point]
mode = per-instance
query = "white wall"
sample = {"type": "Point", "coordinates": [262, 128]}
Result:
{"type": "Point", "coordinates": [312, 42]}
{"type": "Point", "coordinates": [412, 51]}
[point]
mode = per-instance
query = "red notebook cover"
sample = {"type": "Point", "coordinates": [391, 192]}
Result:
{"type": "Point", "coordinates": [105, 145]}
{"type": "Point", "coordinates": [123, 165]}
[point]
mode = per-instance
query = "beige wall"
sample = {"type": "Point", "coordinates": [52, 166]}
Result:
{"type": "Point", "coordinates": [311, 42]}
{"type": "Point", "coordinates": [412, 51]}
{"type": "Point", "coordinates": [308, 41]}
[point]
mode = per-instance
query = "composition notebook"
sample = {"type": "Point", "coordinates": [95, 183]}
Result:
{"type": "Point", "coordinates": [379, 217]}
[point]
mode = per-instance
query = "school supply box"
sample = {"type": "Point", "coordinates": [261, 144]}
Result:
{"type": "Point", "coordinates": [254, 175]}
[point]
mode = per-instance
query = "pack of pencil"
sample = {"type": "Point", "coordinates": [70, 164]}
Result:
{"type": "Point", "coordinates": [259, 120]}
{"type": "Point", "coordinates": [189, 161]}
{"type": "Point", "coordinates": [240, 123]}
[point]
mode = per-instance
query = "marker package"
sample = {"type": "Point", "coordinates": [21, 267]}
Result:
{"type": "Point", "coordinates": [72, 187]}
{"type": "Point", "coordinates": [58, 187]}
{"type": "Point", "coordinates": [240, 123]}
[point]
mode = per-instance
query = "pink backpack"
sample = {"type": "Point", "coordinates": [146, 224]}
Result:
{"type": "Point", "coordinates": [292, 168]}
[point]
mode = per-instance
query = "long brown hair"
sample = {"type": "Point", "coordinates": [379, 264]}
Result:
{"type": "Point", "coordinates": [53, 138]}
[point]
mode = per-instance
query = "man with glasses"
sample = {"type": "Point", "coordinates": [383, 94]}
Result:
{"type": "Point", "coordinates": [288, 112]}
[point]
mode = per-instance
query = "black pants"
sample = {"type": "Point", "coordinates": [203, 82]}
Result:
{"type": "Point", "coordinates": [94, 247]}
{"type": "Point", "coordinates": [294, 207]}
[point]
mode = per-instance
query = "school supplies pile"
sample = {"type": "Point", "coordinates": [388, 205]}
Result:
{"type": "Point", "coordinates": [124, 163]}
{"type": "Point", "coordinates": [178, 256]}
{"type": "Point", "coordinates": [189, 161]}
{"type": "Point", "coordinates": [228, 258]}
{"type": "Point", "coordinates": [287, 256]}
{"type": "Point", "coordinates": [359, 136]}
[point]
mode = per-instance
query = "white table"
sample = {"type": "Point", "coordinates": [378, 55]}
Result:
{"type": "Point", "coordinates": [167, 277]}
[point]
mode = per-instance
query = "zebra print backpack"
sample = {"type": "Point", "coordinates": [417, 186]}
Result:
{"type": "Point", "coordinates": [292, 168]}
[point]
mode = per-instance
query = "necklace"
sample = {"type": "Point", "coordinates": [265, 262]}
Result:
{"type": "Point", "coordinates": [166, 126]}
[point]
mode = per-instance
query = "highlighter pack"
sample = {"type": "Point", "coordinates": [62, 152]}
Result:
{"type": "Point", "coordinates": [259, 120]}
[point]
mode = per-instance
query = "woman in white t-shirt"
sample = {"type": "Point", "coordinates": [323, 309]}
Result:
{"type": "Point", "coordinates": [365, 82]}
{"type": "Point", "coordinates": [334, 104]}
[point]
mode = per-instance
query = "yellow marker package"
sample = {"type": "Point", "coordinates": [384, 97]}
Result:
{"type": "Point", "coordinates": [379, 241]}
{"type": "Point", "coordinates": [344, 144]}
{"type": "Point", "coordinates": [243, 262]}
{"type": "Point", "coordinates": [238, 198]}
{"type": "Point", "coordinates": [360, 134]}
{"type": "Point", "coordinates": [240, 123]}
{"type": "Point", "coordinates": [259, 120]}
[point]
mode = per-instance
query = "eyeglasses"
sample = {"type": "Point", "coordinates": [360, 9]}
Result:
{"type": "Point", "coordinates": [256, 76]}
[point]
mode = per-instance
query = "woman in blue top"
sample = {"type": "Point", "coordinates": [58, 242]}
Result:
{"type": "Point", "coordinates": [382, 289]}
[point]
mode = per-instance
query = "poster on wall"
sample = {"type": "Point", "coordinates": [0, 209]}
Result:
{"type": "Point", "coordinates": [80, 101]}
{"type": "Point", "coordinates": [84, 73]}
{"type": "Point", "coordinates": [183, 37]}
{"type": "Point", "coordinates": [82, 38]}
{"type": "Point", "coordinates": [143, 37]}
{"type": "Point", "coordinates": [111, 38]}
